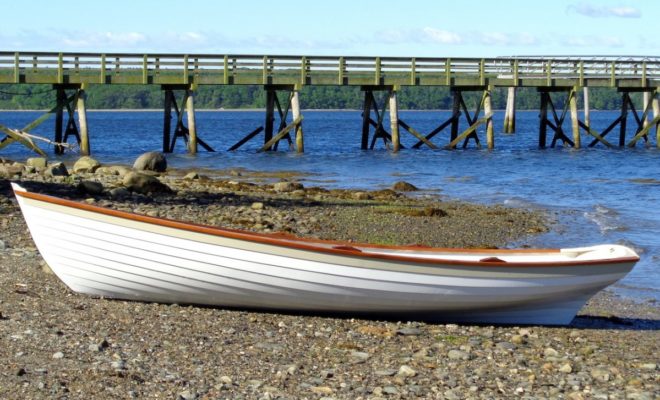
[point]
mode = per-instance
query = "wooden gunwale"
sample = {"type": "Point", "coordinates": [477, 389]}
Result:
{"type": "Point", "coordinates": [307, 244]}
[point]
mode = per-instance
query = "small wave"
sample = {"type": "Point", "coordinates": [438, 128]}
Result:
{"type": "Point", "coordinates": [607, 219]}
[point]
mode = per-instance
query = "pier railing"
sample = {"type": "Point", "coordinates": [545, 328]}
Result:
{"type": "Point", "coordinates": [209, 69]}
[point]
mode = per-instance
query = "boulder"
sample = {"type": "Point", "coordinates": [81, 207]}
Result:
{"type": "Point", "coordinates": [57, 169]}
{"type": "Point", "coordinates": [142, 183]}
{"type": "Point", "coordinates": [90, 187]}
{"type": "Point", "coordinates": [402, 186]}
{"type": "Point", "coordinates": [86, 164]}
{"type": "Point", "coordinates": [10, 171]}
{"type": "Point", "coordinates": [116, 170]}
{"type": "Point", "coordinates": [151, 161]}
{"type": "Point", "coordinates": [285, 187]}
{"type": "Point", "coordinates": [36, 162]}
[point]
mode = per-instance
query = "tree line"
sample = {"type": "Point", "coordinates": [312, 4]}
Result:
{"type": "Point", "coordinates": [39, 97]}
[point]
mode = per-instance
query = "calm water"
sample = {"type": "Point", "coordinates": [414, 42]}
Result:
{"type": "Point", "coordinates": [598, 195]}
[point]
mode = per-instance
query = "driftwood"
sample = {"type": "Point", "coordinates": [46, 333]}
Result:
{"type": "Point", "coordinates": [28, 140]}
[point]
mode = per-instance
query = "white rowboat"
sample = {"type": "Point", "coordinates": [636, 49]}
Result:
{"type": "Point", "coordinates": [114, 254]}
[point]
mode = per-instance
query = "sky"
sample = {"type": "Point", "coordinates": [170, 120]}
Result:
{"type": "Point", "coordinates": [457, 28]}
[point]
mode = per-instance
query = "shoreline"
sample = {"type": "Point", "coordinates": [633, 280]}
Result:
{"type": "Point", "coordinates": [57, 343]}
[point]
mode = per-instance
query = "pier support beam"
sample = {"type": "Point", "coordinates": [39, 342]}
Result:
{"type": "Point", "coordinates": [656, 115]}
{"type": "Point", "coordinates": [510, 112]}
{"type": "Point", "coordinates": [394, 122]}
{"type": "Point", "coordinates": [572, 98]}
{"type": "Point", "coordinates": [71, 102]}
{"type": "Point", "coordinates": [187, 133]}
{"type": "Point", "coordinates": [587, 110]}
{"type": "Point", "coordinates": [271, 137]}
{"type": "Point", "coordinates": [557, 119]}
{"type": "Point", "coordinates": [295, 111]}
{"type": "Point", "coordinates": [488, 110]}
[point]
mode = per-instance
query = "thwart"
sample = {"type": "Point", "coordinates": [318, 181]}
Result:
{"type": "Point", "coordinates": [114, 254]}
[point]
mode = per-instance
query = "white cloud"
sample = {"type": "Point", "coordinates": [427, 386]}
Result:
{"type": "Point", "coordinates": [442, 36]}
{"type": "Point", "coordinates": [592, 11]}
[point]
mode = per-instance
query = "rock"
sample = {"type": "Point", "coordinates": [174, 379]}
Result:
{"type": "Point", "coordinates": [390, 390]}
{"type": "Point", "coordinates": [59, 355]}
{"type": "Point", "coordinates": [36, 162]}
{"type": "Point", "coordinates": [151, 161]}
{"type": "Point", "coordinates": [117, 170]}
{"type": "Point", "coordinates": [90, 187]}
{"type": "Point", "coordinates": [257, 205]}
{"type": "Point", "coordinates": [86, 164]}
{"type": "Point", "coordinates": [458, 355]}
{"type": "Point", "coordinates": [2, 245]}
{"type": "Point", "coordinates": [226, 380]}
{"type": "Point", "coordinates": [57, 169]}
{"type": "Point", "coordinates": [358, 357]}
{"type": "Point", "coordinates": [119, 193]}
{"type": "Point", "coordinates": [550, 352]}
{"type": "Point", "coordinates": [566, 368]}
{"type": "Point", "coordinates": [361, 196]}
{"type": "Point", "coordinates": [10, 171]}
{"type": "Point", "coordinates": [507, 346]}
{"type": "Point", "coordinates": [187, 395]}
{"type": "Point", "coordinates": [406, 372]}
{"type": "Point", "coordinates": [285, 187]}
{"type": "Point", "coordinates": [191, 176]}
{"type": "Point", "coordinates": [402, 186]}
{"type": "Point", "coordinates": [409, 331]}
{"type": "Point", "coordinates": [385, 372]}
{"type": "Point", "coordinates": [600, 374]}
{"type": "Point", "coordinates": [141, 183]}
{"type": "Point", "coordinates": [321, 389]}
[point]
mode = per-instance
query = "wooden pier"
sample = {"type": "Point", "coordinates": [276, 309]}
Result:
{"type": "Point", "coordinates": [380, 78]}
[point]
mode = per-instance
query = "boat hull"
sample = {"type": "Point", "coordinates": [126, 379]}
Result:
{"type": "Point", "coordinates": [124, 256]}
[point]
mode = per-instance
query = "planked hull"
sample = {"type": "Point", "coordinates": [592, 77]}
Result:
{"type": "Point", "coordinates": [108, 253]}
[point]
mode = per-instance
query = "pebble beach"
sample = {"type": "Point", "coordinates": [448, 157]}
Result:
{"type": "Point", "coordinates": [58, 344]}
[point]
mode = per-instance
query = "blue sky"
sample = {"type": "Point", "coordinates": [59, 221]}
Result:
{"type": "Point", "coordinates": [340, 27]}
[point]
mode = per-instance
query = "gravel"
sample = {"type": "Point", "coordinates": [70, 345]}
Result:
{"type": "Point", "coordinates": [58, 344]}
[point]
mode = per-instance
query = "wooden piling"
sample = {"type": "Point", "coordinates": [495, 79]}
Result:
{"type": "Point", "coordinates": [192, 127]}
{"type": "Point", "coordinates": [625, 98]}
{"type": "Point", "coordinates": [587, 110]}
{"type": "Point", "coordinates": [656, 113]}
{"type": "Point", "coordinates": [366, 117]}
{"type": "Point", "coordinates": [295, 111]}
{"type": "Point", "coordinates": [543, 123]}
{"type": "Point", "coordinates": [59, 119]}
{"type": "Point", "coordinates": [455, 113]}
{"type": "Point", "coordinates": [167, 120]}
{"type": "Point", "coordinates": [510, 113]}
{"type": "Point", "coordinates": [82, 122]}
{"type": "Point", "coordinates": [572, 98]}
{"type": "Point", "coordinates": [394, 122]}
{"type": "Point", "coordinates": [270, 115]}
{"type": "Point", "coordinates": [646, 98]}
{"type": "Point", "coordinates": [488, 112]}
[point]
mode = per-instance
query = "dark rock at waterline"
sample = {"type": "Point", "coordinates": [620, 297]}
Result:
{"type": "Point", "coordinates": [142, 183]}
{"type": "Point", "coordinates": [402, 186]}
{"type": "Point", "coordinates": [151, 161]}
{"type": "Point", "coordinates": [284, 187]}
{"type": "Point", "coordinates": [57, 169]}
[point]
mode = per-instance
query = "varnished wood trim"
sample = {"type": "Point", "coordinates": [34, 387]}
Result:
{"type": "Point", "coordinates": [325, 246]}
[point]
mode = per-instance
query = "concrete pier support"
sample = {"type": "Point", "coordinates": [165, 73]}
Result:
{"type": "Point", "coordinates": [192, 125]}
{"type": "Point", "coordinates": [82, 122]}
{"type": "Point", "coordinates": [510, 112]}
{"type": "Point", "coordinates": [488, 111]}
{"type": "Point", "coordinates": [574, 118]}
{"type": "Point", "coordinates": [394, 122]}
{"type": "Point", "coordinates": [295, 112]}
{"type": "Point", "coordinates": [587, 110]}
